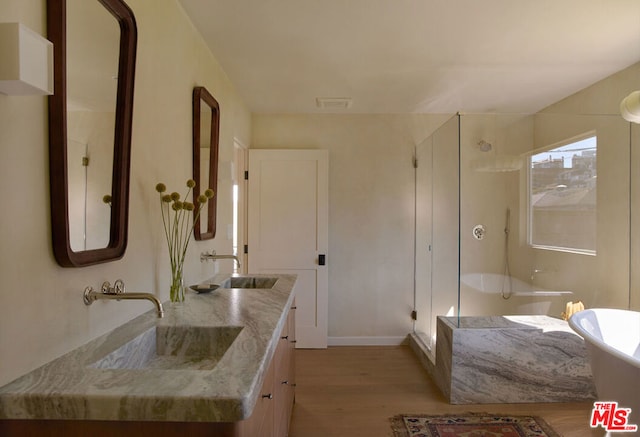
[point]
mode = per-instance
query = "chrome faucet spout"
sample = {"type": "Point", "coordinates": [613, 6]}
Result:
{"type": "Point", "coordinates": [205, 256]}
{"type": "Point", "coordinates": [117, 293]}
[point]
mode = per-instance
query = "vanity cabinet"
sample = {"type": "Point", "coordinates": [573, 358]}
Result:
{"type": "Point", "coordinates": [272, 414]}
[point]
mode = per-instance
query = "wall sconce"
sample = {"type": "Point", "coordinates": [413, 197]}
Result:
{"type": "Point", "coordinates": [630, 107]}
{"type": "Point", "coordinates": [26, 66]}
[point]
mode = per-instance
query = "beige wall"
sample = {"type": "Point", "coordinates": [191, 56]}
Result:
{"type": "Point", "coordinates": [370, 212]}
{"type": "Point", "coordinates": [41, 310]}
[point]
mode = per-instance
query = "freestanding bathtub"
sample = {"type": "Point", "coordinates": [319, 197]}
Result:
{"type": "Point", "coordinates": [612, 339]}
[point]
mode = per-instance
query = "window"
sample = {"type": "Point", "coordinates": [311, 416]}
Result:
{"type": "Point", "coordinates": [562, 196]}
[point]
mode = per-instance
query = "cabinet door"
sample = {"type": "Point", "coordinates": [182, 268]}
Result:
{"type": "Point", "coordinates": [284, 380]}
{"type": "Point", "coordinates": [291, 392]}
{"type": "Point", "coordinates": [281, 387]}
{"type": "Point", "coordinates": [261, 421]}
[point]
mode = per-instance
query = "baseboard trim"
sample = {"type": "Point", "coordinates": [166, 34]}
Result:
{"type": "Point", "coordinates": [366, 341]}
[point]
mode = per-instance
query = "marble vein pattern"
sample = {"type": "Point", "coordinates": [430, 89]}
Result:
{"type": "Point", "coordinates": [204, 361]}
{"type": "Point", "coordinates": [508, 359]}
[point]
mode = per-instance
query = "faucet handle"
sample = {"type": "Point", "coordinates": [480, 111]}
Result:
{"type": "Point", "coordinates": [118, 287]}
{"type": "Point", "coordinates": [204, 256]}
{"type": "Point", "coordinates": [88, 295]}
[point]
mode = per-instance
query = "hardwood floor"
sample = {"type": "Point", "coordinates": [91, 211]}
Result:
{"type": "Point", "coordinates": [353, 391]}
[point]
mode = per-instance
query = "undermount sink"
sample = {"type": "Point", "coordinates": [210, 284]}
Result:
{"type": "Point", "coordinates": [171, 347]}
{"type": "Point", "coordinates": [249, 282]}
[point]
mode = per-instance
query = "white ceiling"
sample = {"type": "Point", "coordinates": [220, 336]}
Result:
{"type": "Point", "coordinates": [424, 56]}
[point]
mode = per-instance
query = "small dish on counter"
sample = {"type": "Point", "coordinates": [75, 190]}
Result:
{"type": "Point", "coordinates": [204, 288]}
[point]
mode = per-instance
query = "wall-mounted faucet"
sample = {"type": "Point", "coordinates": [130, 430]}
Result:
{"type": "Point", "coordinates": [205, 256]}
{"type": "Point", "coordinates": [117, 292]}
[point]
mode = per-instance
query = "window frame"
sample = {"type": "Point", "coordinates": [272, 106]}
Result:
{"type": "Point", "coordinates": [565, 142]}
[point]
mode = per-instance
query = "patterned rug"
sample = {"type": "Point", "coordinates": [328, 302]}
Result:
{"type": "Point", "coordinates": [470, 425]}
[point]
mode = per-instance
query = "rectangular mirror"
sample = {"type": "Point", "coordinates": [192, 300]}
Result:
{"type": "Point", "coordinates": [206, 129]}
{"type": "Point", "coordinates": [90, 119]}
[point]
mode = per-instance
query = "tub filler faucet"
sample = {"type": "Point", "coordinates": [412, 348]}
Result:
{"type": "Point", "coordinates": [205, 256]}
{"type": "Point", "coordinates": [117, 292]}
{"type": "Point", "coordinates": [537, 271]}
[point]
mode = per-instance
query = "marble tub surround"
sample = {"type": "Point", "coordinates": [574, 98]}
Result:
{"type": "Point", "coordinates": [512, 359]}
{"type": "Point", "coordinates": [205, 361]}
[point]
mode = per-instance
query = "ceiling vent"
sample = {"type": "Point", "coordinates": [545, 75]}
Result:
{"type": "Point", "coordinates": [333, 102]}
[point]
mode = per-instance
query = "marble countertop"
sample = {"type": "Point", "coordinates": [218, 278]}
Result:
{"type": "Point", "coordinates": [521, 322]}
{"type": "Point", "coordinates": [74, 386]}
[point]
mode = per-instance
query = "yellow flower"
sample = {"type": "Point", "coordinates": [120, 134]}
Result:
{"type": "Point", "coordinates": [107, 199]}
{"type": "Point", "coordinates": [178, 223]}
{"type": "Point", "coordinates": [209, 193]}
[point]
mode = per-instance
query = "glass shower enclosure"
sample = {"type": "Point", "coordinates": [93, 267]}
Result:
{"type": "Point", "coordinates": [520, 214]}
{"type": "Point", "coordinates": [437, 249]}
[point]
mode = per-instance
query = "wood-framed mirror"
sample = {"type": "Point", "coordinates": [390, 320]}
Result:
{"type": "Point", "coordinates": [206, 131]}
{"type": "Point", "coordinates": [90, 120]}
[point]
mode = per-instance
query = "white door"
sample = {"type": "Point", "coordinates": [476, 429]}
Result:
{"type": "Point", "coordinates": [288, 230]}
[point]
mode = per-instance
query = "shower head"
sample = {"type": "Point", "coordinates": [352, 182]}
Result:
{"type": "Point", "coordinates": [494, 163]}
{"type": "Point", "coordinates": [485, 146]}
